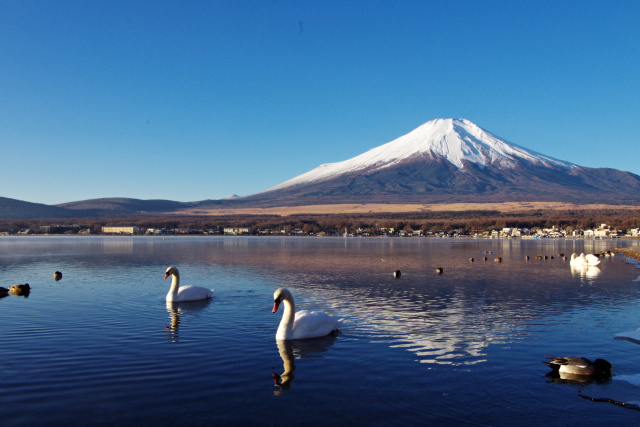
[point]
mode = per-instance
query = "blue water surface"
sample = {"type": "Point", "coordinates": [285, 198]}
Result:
{"type": "Point", "coordinates": [465, 347]}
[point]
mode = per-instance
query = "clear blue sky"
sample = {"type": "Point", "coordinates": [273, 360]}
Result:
{"type": "Point", "coordinates": [193, 100]}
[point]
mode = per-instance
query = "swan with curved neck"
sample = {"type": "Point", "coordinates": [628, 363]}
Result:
{"type": "Point", "coordinates": [302, 324]}
{"type": "Point", "coordinates": [582, 259]}
{"type": "Point", "coordinates": [179, 293]}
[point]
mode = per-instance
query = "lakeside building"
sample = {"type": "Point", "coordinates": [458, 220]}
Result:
{"type": "Point", "coordinates": [120, 230]}
{"type": "Point", "coordinates": [234, 231]}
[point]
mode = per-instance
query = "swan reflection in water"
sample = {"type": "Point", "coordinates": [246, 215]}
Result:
{"type": "Point", "coordinates": [290, 350]}
{"type": "Point", "coordinates": [585, 271]}
{"type": "Point", "coordinates": [178, 309]}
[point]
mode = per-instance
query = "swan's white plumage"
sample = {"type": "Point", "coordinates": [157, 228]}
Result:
{"type": "Point", "coordinates": [592, 259]}
{"type": "Point", "coordinates": [304, 323]}
{"type": "Point", "coordinates": [582, 259]}
{"type": "Point", "coordinates": [179, 293]}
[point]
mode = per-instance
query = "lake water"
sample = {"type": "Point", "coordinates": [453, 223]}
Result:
{"type": "Point", "coordinates": [465, 347]}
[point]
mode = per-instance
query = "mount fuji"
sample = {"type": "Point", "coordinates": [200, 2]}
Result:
{"type": "Point", "coordinates": [452, 160]}
{"type": "Point", "coordinates": [443, 161]}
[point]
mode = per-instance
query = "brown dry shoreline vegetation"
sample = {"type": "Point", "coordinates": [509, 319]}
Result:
{"type": "Point", "coordinates": [382, 208]}
{"type": "Point", "coordinates": [630, 252]}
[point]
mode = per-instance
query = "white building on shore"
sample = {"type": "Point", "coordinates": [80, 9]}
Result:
{"type": "Point", "coordinates": [120, 230]}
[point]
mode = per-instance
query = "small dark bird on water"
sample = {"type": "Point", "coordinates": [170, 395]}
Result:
{"type": "Point", "coordinates": [22, 290]}
{"type": "Point", "coordinates": [579, 366]}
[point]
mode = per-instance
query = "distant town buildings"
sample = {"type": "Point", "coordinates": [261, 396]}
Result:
{"type": "Point", "coordinates": [603, 231]}
{"type": "Point", "coordinates": [235, 231]}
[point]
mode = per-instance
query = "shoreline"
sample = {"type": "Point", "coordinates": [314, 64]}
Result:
{"type": "Point", "coordinates": [630, 252]}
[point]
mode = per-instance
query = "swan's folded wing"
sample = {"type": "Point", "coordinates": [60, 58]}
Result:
{"type": "Point", "coordinates": [313, 324]}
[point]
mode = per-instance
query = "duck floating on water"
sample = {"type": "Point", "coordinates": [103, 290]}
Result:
{"type": "Point", "coordinates": [579, 366]}
{"type": "Point", "coordinates": [20, 290]}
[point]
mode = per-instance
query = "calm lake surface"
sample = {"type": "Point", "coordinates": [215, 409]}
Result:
{"type": "Point", "coordinates": [101, 346]}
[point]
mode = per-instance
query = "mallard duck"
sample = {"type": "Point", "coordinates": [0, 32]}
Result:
{"type": "Point", "coordinates": [579, 366]}
{"type": "Point", "coordinates": [20, 289]}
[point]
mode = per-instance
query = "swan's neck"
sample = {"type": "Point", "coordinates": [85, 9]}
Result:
{"type": "Point", "coordinates": [175, 284]}
{"type": "Point", "coordinates": [286, 323]}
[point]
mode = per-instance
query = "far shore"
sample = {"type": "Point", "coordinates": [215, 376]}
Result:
{"type": "Point", "coordinates": [381, 208]}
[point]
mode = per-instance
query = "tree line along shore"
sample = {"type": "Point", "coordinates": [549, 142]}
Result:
{"type": "Point", "coordinates": [568, 223]}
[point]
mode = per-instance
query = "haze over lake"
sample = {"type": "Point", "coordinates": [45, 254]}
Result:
{"type": "Point", "coordinates": [465, 347]}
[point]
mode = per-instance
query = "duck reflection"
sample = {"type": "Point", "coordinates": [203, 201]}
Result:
{"type": "Point", "coordinates": [178, 309]}
{"type": "Point", "coordinates": [565, 378]}
{"type": "Point", "coordinates": [290, 350]}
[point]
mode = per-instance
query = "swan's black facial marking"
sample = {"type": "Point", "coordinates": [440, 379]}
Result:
{"type": "Point", "coordinates": [276, 304]}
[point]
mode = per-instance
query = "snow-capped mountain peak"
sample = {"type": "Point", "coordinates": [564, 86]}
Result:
{"type": "Point", "coordinates": [455, 140]}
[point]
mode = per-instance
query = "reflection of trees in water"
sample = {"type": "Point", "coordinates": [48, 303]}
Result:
{"type": "Point", "coordinates": [290, 350]}
{"type": "Point", "coordinates": [176, 311]}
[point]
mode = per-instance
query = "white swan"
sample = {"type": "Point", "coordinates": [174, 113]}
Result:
{"type": "Point", "coordinates": [184, 293]}
{"type": "Point", "coordinates": [582, 259]}
{"type": "Point", "coordinates": [302, 324]}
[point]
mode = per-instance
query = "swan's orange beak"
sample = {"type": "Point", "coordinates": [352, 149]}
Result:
{"type": "Point", "coordinates": [276, 304]}
{"type": "Point", "coordinates": [166, 275]}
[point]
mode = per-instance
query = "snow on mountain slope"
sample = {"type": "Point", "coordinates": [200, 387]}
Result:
{"type": "Point", "coordinates": [452, 139]}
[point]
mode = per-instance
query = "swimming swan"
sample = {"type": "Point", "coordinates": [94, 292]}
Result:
{"type": "Point", "coordinates": [582, 259]}
{"type": "Point", "coordinates": [184, 293]}
{"type": "Point", "coordinates": [302, 324]}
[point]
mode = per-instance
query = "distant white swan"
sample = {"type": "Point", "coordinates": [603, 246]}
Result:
{"type": "Point", "coordinates": [302, 324]}
{"type": "Point", "coordinates": [184, 293]}
{"type": "Point", "coordinates": [582, 259]}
